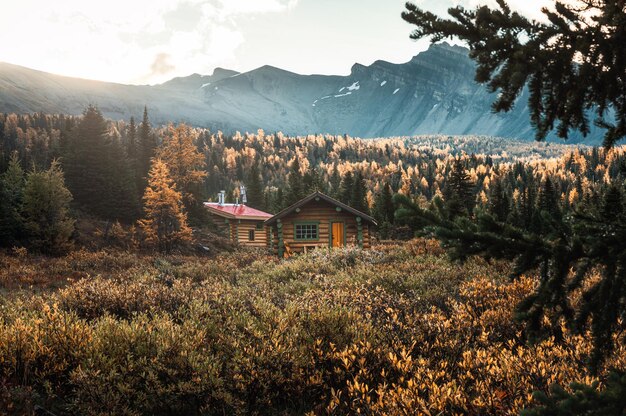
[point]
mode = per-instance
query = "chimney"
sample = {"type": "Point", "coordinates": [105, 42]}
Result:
{"type": "Point", "coordinates": [244, 197]}
{"type": "Point", "coordinates": [220, 197]}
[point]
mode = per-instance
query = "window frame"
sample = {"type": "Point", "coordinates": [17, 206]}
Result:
{"type": "Point", "coordinates": [251, 235]}
{"type": "Point", "coordinates": [305, 223]}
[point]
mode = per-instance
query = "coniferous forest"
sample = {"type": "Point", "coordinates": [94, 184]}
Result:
{"type": "Point", "coordinates": [495, 283]}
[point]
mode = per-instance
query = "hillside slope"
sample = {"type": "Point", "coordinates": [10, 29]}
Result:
{"type": "Point", "coordinates": [433, 93]}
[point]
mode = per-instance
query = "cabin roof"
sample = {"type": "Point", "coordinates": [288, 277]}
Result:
{"type": "Point", "coordinates": [236, 211]}
{"type": "Point", "coordinates": [323, 197]}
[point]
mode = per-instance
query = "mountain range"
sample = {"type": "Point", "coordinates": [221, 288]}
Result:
{"type": "Point", "coordinates": [433, 93]}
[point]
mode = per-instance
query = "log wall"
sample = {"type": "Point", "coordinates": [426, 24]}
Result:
{"type": "Point", "coordinates": [324, 214]}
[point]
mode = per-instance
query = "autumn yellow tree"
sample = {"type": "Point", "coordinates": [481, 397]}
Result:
{"type": "Point", "coordinates": [185, 162]}
{"type": "Point", "coordinates": [165, 222]}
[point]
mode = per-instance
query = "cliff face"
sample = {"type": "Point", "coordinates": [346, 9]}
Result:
{"type": "Point", "coordinates": [433, 93]}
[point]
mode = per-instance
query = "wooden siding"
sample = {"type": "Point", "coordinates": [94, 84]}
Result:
{"type": "Point", "coordinates": [322, 213]}
{"type": "Point", "coordinates": [238, 230]}
{"type": "Point", "coordinates": [222, 225]}
{"type": "Point", "coordinates": [243, 227]}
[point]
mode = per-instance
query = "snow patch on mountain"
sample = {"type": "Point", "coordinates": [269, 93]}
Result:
{"type": "Point", "coordinates": [354, 87]}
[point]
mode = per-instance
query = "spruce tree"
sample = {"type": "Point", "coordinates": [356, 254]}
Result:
{"type": "Point", "coordinates": [85, 162]}
{"type": "Point", "coordinates": [165, 223]}
{"type": "Point", "coordinates": [335, 183]}
{"type": "Point", "coordinates": [347, 185]}
{"type": "Point", "coordinates": [97, 170]}
{"type": "Point", "coordinates": [459, 191]}
{"type": "Point", "coordinates": [131, 141]}
{"type": "Point", "coordinates": [147, 146]}
{"type": "Point", "coordinates": [499, 204]}
{"type": "Point", "coordinates": [11, 193]}
{"type": "Point", "coordinates": [358, 197]}
{"type": "Point", "coordinates": [295, 186]}
{"type": "Point", "coordinates": [254, 188]}
{"type": "Point", "coordinates": [548, 200]}
{"type": "Point", "coordinates": [278, 201]}
{"type": "Point", "coordinates": [383, 206]}
{"type": "Point", "coordinates": [45, 210]}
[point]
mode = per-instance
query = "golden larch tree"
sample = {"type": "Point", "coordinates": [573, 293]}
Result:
{"type": "Point", "coordinates": [165, 222]}
{"type": "Point", "coordinates": [185, 162]}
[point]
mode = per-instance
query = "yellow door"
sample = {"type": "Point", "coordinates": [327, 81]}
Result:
{"type": "Point", "coordinates": [337, 234]}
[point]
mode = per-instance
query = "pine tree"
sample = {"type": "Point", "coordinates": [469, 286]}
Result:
{"type": "Point", "coordinates": [295, 186]}
{"type": "Point", "coordinates": [358, 197]}
{"type": "Point", "coordinates": [335, 183]}
{"type": "Point", "coordinates": [347, 184]}
{"type": "Point", "coordinates": [459, 191]}
{"type": "Point", "coordinates": [123, 200]}
{"type": "Point", "coordinates": [11, 193]}
{"type": "Point", "coordinates": [164, 224]}
{"type": "Point", "coordinates": [98, 173]}
{"type": "Point", "coordinates": [499, 204]}
{"type": "Point", "coordinates": [278, 202]}
{"type": "Point", "coordinates": [255, 188]}
{"type": "Point", "coordinates": [147, 146]}
{"type": "Point", "coordinates": [548, 200]}
{"type": "Point", "coordinates": [85, 161]}
{"type": "Point", "coordinates": [131, 143]}
{"type": "Point", "coordinates": [46, 210]}
{"type": "Point", "coordinates": [383, 206]}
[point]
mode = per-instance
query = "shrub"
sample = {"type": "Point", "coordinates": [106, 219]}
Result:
{"type": "Point", "coordinates": [345, 332]}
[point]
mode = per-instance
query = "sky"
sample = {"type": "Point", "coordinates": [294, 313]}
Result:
{"type": "Point", "coordinates": [152, 41]}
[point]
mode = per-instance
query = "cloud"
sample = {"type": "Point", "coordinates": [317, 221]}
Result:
{"type": "Point", "coordinates": [139, 41]}
{"type": "Point", "coordinates": [161, 65]}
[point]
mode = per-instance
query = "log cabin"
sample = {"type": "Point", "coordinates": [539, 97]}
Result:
{"type": "Point", "coordinates": [317, 221]}
{"type": "Point", "coordinates": [239, 223]}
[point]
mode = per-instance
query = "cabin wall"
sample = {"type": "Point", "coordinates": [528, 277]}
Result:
{"type": "Point", "coordinates": [242, 230]}
{"type": "Point", "coordinates": [238, 230]}
{"type": "Point", "coordinates": [222, 225]}
{"type": "Point", "coordinates": [324, 214]}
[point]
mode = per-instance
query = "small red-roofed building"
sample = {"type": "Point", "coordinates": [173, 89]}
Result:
{"type": "Point", "coordinates": [240, 223]}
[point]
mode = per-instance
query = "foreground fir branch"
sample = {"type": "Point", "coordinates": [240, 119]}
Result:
{"type": "Point", "coordinates": [586, 252]}
{"type": "Point", "coordinates": [573, 64]}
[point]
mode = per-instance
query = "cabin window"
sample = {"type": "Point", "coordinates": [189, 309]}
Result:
{"type": "Point", "coordinates": [251, 235]}
{"type": "Point", "coordinates": [306, 232]}
{"type": "Point", "coordinates": [259, 225]}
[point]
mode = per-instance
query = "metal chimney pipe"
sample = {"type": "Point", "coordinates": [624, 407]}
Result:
{"type": "Point", "coordinates": [244, 197]}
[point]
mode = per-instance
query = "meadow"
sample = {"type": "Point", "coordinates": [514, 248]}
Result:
{"type": "Point", "coordinates": [395, 330]}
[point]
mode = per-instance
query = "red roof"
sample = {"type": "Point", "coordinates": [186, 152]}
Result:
{"type": "Point", "coordinates": [236, 211]}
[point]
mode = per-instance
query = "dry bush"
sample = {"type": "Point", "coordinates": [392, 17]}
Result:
{"type": "Point", "coordinates": [342, 332]}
